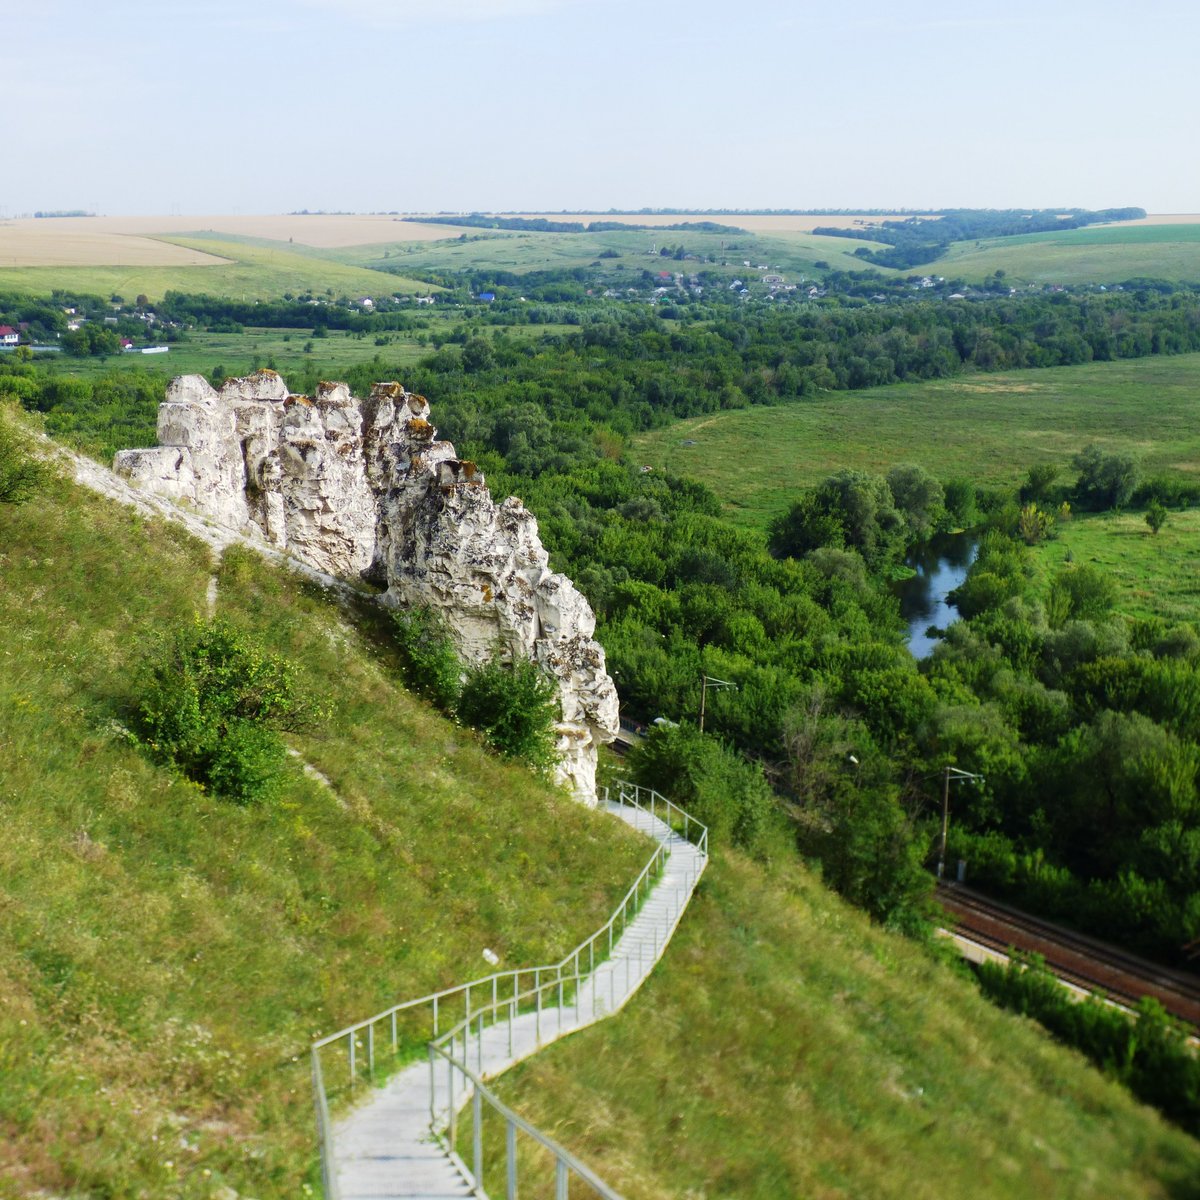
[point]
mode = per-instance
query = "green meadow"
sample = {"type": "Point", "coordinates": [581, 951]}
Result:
{"type": "Point", "coordinates": [988, 428]}
{"type": "Point", "coordinates": [1098, 254]}
{"type": "Point", "coordinates": [1157, 575]}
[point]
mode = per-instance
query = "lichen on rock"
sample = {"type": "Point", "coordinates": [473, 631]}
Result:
{"type": "Point", "coordinates": [365, 488]}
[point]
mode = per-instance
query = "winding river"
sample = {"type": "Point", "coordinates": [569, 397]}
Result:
{"type": "Point", "coordinates": [941, 564]}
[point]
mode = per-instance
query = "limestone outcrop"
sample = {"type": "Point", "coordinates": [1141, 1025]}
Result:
{"type": "Point", "coordinates": [366, 488]}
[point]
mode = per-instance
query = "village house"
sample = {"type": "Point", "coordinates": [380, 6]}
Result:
{"type": "Point", "coordinates": [8, 336]}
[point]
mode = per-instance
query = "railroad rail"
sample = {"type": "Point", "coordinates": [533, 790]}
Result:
{"type": "Point", "coordinates": [1084, 961]}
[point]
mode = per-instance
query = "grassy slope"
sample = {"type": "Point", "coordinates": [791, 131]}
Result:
{"type": "Point", "coordinates": [166, 956]}
{"type": "Point", "coordinates": [255, 273]}
{"type": "Point", "coordinates": [1102, 254]}
{"type": "Point", "coordinates": [786, 1048]}
{"type": "Point", "coordinates": [990, 428]}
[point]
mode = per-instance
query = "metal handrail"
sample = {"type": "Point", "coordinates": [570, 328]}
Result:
{"type": "Point", "coordinates": [631, 794]}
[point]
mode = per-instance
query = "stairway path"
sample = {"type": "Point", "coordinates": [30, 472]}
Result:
{"type": "Point", "coordinates": [384, 1149]}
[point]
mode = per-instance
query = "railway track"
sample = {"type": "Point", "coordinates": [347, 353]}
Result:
{"type": "Point", "coordinates": [1078, 959]}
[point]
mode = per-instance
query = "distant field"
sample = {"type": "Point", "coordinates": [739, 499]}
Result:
{"type": "Point", "coordinates": [241, 353]}
{"type": "Point", "coordinates": [318, 230]}
{"type": "Point", "coordinates": [240, 270]}
{"type": "Point", "coordinates": [990, 428]}
{"type": "Point", "coordinates": [519, 251]}
{"type": "Point", "coordinates": [1158, 576]}
{"type": "Point", "coordinates": [42, 244]}
{"type": "Point", "coordinates": [1099, 254]}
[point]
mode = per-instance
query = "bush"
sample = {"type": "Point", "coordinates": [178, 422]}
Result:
{"type": "Point", "coordinates": [428, 660]}
{"type": "Point", "coordinates": [21, 474]}
{"type": "Point", "coordinates": [707, 778]}
{"type": "Point", "coordinates": [1149, 1054]}
{"type": "Point", "coordinates": [213, 705]}
{"type": "Point", "coordinates": [515, 707]}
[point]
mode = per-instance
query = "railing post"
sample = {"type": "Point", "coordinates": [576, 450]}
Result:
{"type": "Point", "coordinates": [510, 1153]}
{"type": "Point", "coordinates": [353, 1037]}
{"type": "Point", "coordinates": [371, 1050]}
{"type": "Point", "coordinates": [477, 1136]}
{"type": "Point", "coordinates": [495, 994]}
{"type": "Point", "coordinates": [538, 1019]}
{"type": "Point", "coordinates": [435, 1016]}
{"type": "Point", "coordinates": [560, 1180]}
{"type": "Point", "coordinates": [395, 1044]}
{"type": "Point", "coordinates": [453, 1130]}
{"type": "Point", "coordinates": [432, 1085]}
{"type": "Point", "coordinates": [479, 1044]}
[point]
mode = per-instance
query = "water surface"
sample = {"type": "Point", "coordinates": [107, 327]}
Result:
{"type": "Point", "coordinates": [941, 564]}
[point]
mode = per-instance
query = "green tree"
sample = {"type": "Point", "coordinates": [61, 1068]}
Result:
{"type": "Point", "coordinates": [1105, 480]}
{"type": "Point", "coordinates": [919, 496]}
{"type": "Point", "coordinates": [1156, 516]}
{"type": "Point", "coordinates": [1039, 481]}
{"type": "Point", "coordinates": [214, 703]}
{"type": "Point", "coordinates": [21, 473]}
{"type": "Point", "coordinates": [708, 779]}
{"type": "Point", "coordinates": [515, 706]}
{"type": "Point", "coordinates": [850, 510]}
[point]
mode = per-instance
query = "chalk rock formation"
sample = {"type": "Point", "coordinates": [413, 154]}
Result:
{"type": "Point", "coordinates": [365, 488]}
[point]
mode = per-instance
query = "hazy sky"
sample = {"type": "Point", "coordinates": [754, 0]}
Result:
{"type": "Point", "coordinates": [213, 106]}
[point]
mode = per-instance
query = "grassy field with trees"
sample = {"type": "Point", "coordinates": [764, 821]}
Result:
{"type": "Point", "coordinates": [991, 428]}
{"type": "Point", "coordinates": [172, 949]}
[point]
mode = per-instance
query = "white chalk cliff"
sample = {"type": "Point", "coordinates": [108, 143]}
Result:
{"type": "Point", "coordinates": [365, 488]}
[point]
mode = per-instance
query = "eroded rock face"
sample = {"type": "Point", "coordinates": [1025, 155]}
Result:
{"type": "Point", "coordinates": [367, 488]}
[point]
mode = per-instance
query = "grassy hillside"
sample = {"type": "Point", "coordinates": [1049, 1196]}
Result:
{"type": "Point", "coordinates": [167, 956]}
{"type": "Point", "coordinates": [990, 428]}
{"type": "Point", "coordinates": [785, 1047]}
{"type": "Point", "coordinates": [254, 272]}
{"type": "Point", "coordinates": [1099, 254]}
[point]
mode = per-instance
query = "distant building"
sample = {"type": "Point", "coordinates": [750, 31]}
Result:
{"type": "Point", "coordinates": [126, 344]}
{"type": "Point", "coordinates": [365, 302]}
{"type": "Point", "coordinates": [155, 349]}
{"type": "Point", "coordinates": [425, 299]}
{"type": "Point", "coordinates": [487, 297]}
{"type": "Point", "coordinates": [8, 336]}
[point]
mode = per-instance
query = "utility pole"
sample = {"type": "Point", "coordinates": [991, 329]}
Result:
{"type": "Point", "coordinates": [706, 682]}
{"type": "Point", "coordinates": [950, 773]}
